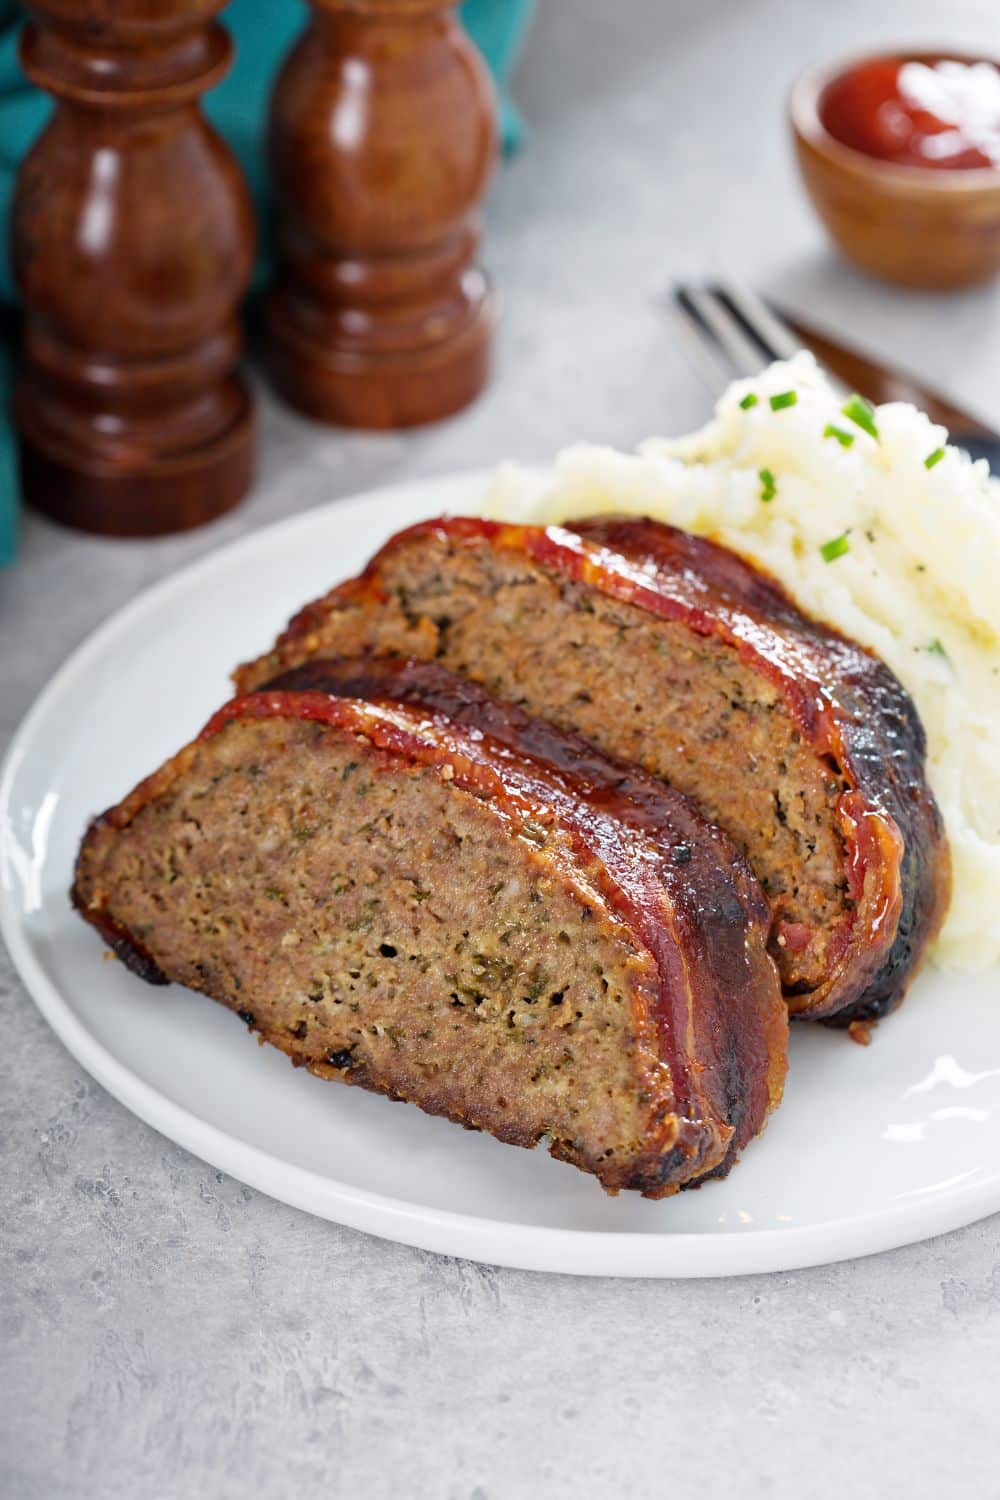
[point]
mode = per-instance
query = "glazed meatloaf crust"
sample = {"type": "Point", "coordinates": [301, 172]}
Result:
{"type": "Point", "coordinates": [669, 651]}
{"type": "Point", "coordinates": [408, 887]}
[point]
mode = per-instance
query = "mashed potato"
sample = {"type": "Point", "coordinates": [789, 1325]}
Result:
{"type": "Point", "coordinates": [887, 537]}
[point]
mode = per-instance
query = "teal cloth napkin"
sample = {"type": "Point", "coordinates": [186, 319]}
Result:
{"type": "Point", "coordinates": [263, 31]}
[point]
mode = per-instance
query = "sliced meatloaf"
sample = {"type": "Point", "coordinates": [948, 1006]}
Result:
{"type": "Point", "coordinates": [409, 887]}
{"type": "Point", "coordinates": [669, 651]}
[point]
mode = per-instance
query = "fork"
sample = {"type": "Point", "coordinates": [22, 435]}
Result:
{"type": "Point", "coordinates": [728, 331]}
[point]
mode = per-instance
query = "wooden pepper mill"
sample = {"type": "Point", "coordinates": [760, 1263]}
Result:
{"type": "Point", "coordinates": [132, 246]}
{"type": "Point", "coordinates": [382, 138]}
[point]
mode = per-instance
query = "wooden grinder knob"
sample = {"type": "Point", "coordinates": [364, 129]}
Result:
{"type": "Point", "coordinates": [132, 245]}
{"type": "Point", "coordinates": [382, 138]}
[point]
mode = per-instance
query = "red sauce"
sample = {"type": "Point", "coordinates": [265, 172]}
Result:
{"type": "Point", "coordinates": [940, 114]}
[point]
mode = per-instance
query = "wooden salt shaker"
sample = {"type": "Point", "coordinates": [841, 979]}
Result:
{"type": "Point", "coordinates": [382, 138]}
{"type": "Point", "coordinates": [132, 246]}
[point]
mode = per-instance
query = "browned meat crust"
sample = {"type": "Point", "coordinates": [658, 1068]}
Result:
{"type": "Point", "coordinates": [610, 989]}
{"type": "Point", "coordinates": [671, 652]}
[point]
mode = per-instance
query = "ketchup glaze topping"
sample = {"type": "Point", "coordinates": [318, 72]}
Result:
{"type": "Point", "coordinates": [918, 113]}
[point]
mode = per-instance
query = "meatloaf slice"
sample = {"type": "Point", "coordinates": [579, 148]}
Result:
{"type": "Point", "coordinates": [408, 887]}
{"type": "Point", "coordinates": [669, 651]}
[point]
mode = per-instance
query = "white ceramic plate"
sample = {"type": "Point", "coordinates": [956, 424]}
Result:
{"type": "Point", "coordinates": [872, 1148]}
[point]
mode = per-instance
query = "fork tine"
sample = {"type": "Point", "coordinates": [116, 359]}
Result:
{"type": "Point", "coordinates": [700, 350]}
{"type": "Point", "coordinates": [771, 331]}
{"type": "Point", "coordinates": [724, 328]}
{"type": "Point", "coordinates": [774, 337]}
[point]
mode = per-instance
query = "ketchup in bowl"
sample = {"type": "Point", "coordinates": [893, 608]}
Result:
{"type": "Point", "coordinates": [918, 113]}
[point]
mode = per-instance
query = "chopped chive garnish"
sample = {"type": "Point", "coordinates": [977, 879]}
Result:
{"type": "Point", "coordinates": [862, 414]}
{"type": "Point", "coordinates": [835, 547]}
{"type": "Point", "coordinates": [748, 400]}
{"type": "Point", "coordinates": [935, 648]}
{"type": "Point", "coordinates": [768, 485]}
{"type": "Point", "coordinates": [933, 458]}
{"type": "Point", "coordinates": [783, 399]}
{"type": "Point", "coordinates": [845, 439]}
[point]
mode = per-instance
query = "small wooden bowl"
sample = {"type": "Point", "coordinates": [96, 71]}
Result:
{"type": "Point", "coordinates": [922, 226]}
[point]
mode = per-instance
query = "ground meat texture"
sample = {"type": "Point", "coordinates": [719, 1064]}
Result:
{"type": "Point", "coordinates": [433, 914]}
{"type": "Point", "coordinates": [674, 705]}
{"type": "Point", "coordinates": [670, 652]}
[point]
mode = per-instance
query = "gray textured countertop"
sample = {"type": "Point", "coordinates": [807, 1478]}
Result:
{"type": "Point", "coordinates": [166, 1332]}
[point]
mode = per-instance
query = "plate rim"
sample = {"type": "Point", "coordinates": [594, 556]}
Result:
{"type": "Point", "coordinates": [532, 1247]}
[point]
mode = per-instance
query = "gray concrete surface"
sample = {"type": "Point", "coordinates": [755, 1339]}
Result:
{"type": "Point", "coordinates": [166, 1333]}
